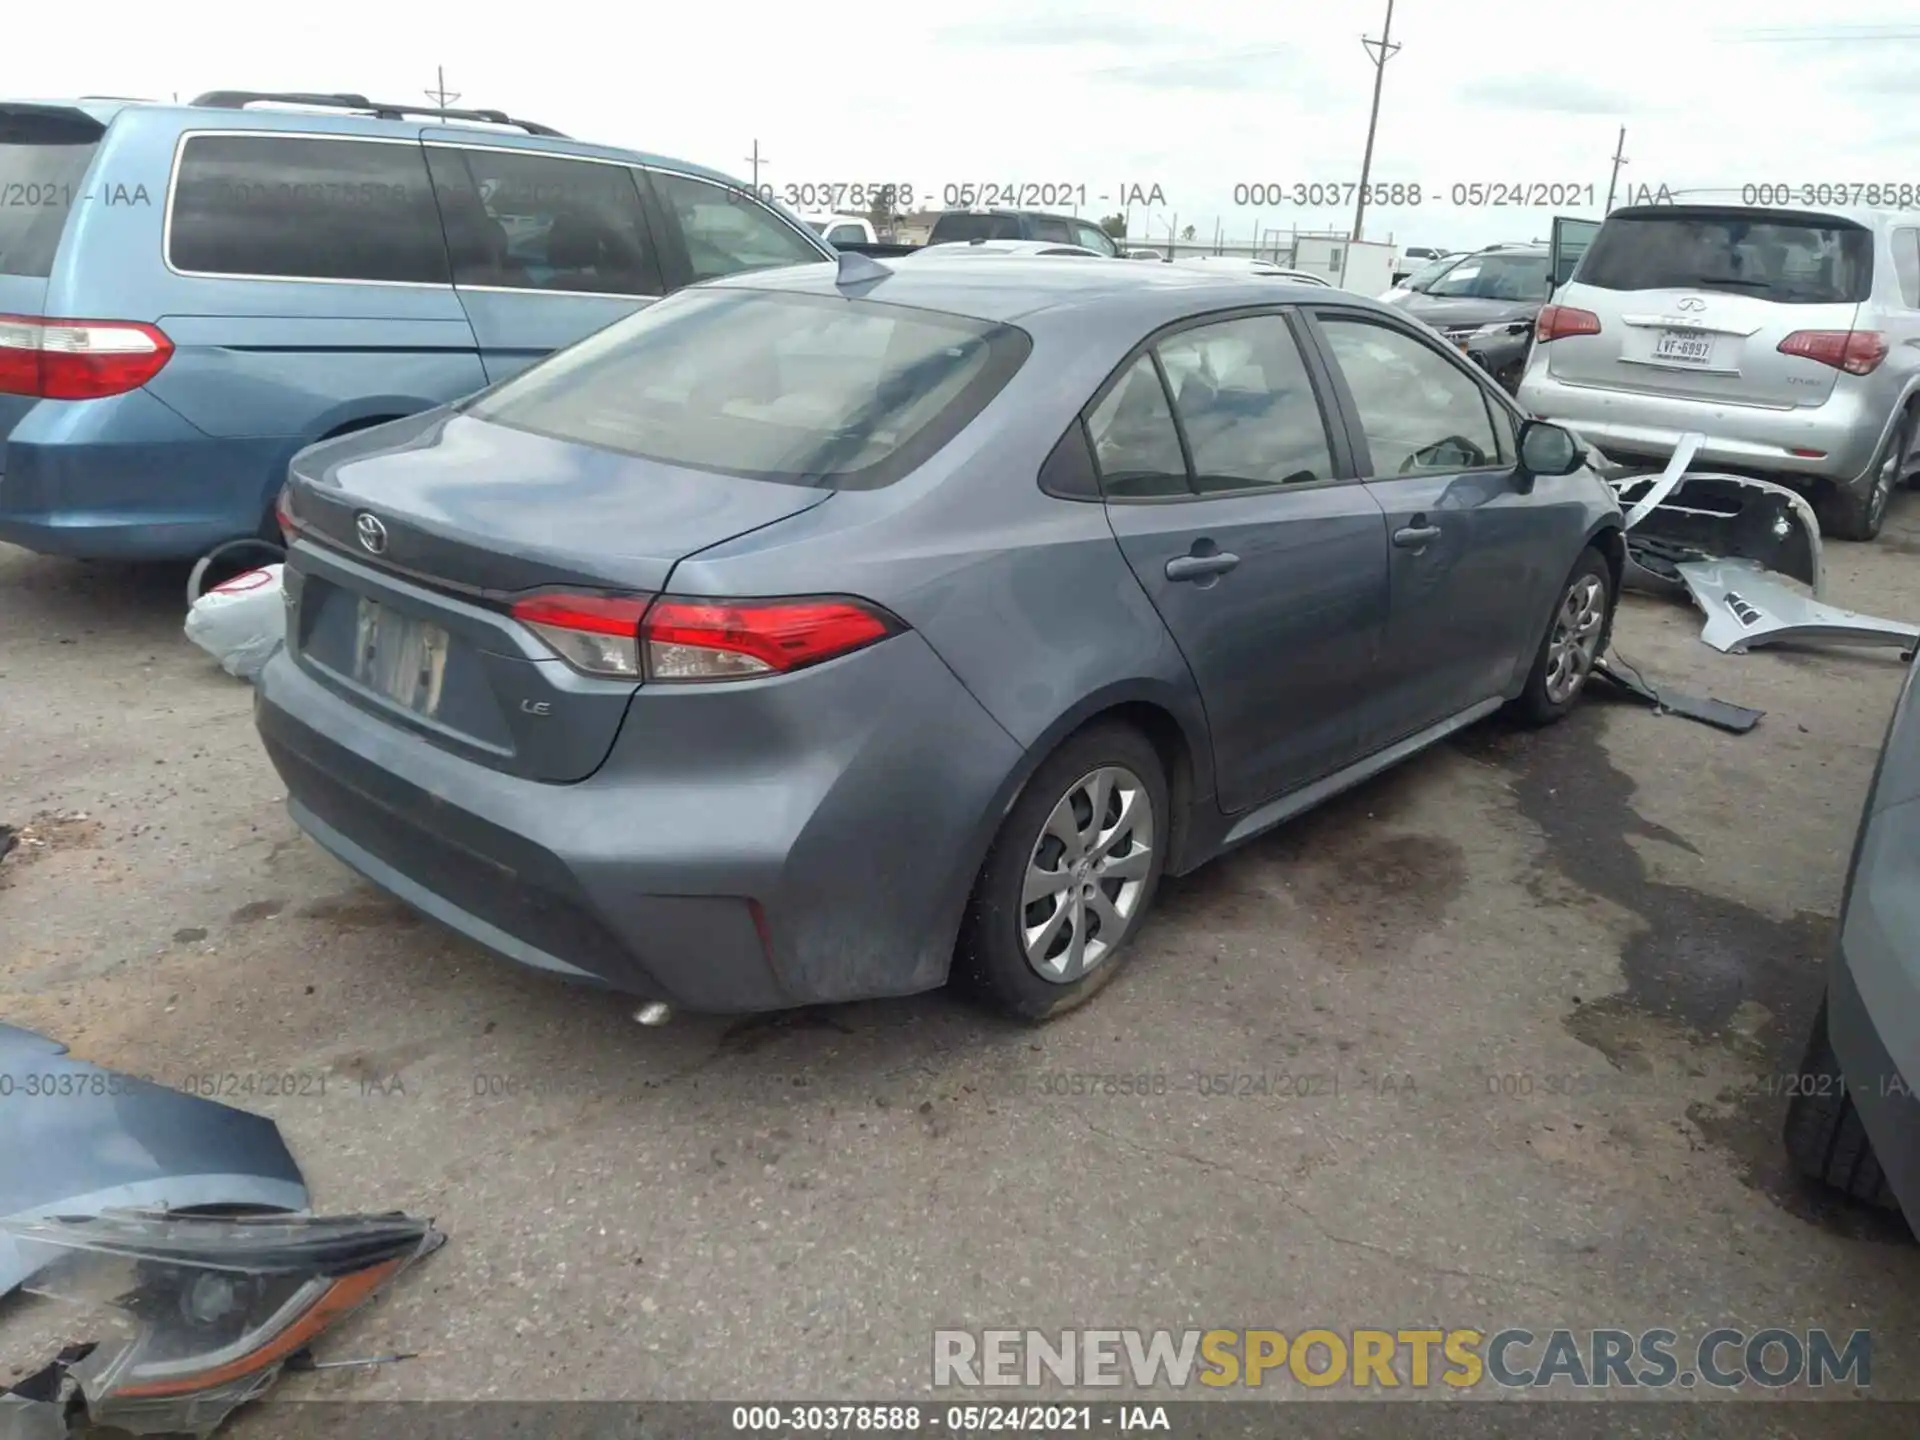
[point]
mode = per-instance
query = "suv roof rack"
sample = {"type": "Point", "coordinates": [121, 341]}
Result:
{"type": "Point", "coordinates": [240, 99]}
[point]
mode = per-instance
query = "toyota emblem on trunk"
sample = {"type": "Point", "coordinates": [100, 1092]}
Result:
{"type": "Point", "coordinates": [1692, 302]}
{"type": "Point", "coordinates": [373, 535]}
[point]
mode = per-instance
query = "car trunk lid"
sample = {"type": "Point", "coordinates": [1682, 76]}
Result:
{"type": "Point", "coordinates": [418, 535]}
{"type": "Point", "coordinates": [1695, 302]}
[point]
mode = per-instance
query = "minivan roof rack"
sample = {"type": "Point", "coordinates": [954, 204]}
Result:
{"type": "Point", "coordinates": [240, 99]}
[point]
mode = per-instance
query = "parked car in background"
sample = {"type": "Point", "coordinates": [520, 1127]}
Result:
{"type": "Point", "coordinates": [843, 229]}
{"type": "Point", "coordinates": [1118, 566]}
{"type": "Point", "coordinates": [1007, 247]}
{"type": "Point", "coordinates": [1789, 338]}
{"type": "Point", "coordinates": [1244, 265]}
{"type": "Point", "coordinates": [1141, 252]}
{"type": "Point", "coordinates": [1417, 280]}
{"type": "Point", "coordinates": [189, 294]}
{"type": "Point", "coordinates": [1485, 303]}
{"type": "Point", "coordinates": [1415, 258]}
{"type": "Point", "coordinates": [1853, 1113]}
{"type": "Point", "coordinates": [987, 224]}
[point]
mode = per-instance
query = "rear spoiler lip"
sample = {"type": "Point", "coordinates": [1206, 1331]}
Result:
{"type": "Point", "coordinates": [98, 113]}
{"type": "Point", "coordinates": [1832, 220]}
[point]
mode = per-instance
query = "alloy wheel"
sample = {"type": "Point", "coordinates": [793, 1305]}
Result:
{"type": "Point", "coordinates": [1087, 874]}
{"type": "Point", "coordinates": [1575, 642]}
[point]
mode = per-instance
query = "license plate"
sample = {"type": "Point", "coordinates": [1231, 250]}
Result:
{"type": "Point", "coordinates": [399, 657]}
{"type": "Point", "coordinates": [1684, 347]}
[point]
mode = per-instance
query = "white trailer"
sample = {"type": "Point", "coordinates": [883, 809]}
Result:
{"type": "Point", "coordinates": [1363, 266]}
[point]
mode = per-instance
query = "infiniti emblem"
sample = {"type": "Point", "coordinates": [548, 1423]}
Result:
{"type": "Point", "coordinates": [1692, 302]}
{"type": "Point", "coordinates": [373, 535]}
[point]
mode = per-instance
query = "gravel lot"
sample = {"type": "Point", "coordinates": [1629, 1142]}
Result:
{"type": "Point", "coordinates": [1626, 914]}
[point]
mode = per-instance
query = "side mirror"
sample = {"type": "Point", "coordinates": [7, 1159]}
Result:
{"type": "Point", "coordinates": [1547, 449]}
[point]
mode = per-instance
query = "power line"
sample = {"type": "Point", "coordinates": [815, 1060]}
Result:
{"type": "Point", "coordinates": [440, 95]}
{"type": "Point", "coordinates": [1379, 51]}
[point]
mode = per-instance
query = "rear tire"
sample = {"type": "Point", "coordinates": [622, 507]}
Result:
{"type": "Point", "coordinates": [1007, 940]}
{"type": "Point", "coordinates": [1856, 512]}
{"type": "Point", "coordinates": [1572, 643]}
{"type": "Point", "coordinates": [1824, 1136]}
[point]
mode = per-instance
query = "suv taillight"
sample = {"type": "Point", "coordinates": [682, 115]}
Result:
{"type": "Point", "coordinates": [681, 639]}
{"type": "Point", "coordinates": [1557, 322]}
{"type": "Point", "coordinates": [78, 359]}
{"type": "Point", "coordinates": [1858, 352]}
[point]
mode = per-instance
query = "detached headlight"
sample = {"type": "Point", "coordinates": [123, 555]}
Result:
{"type": "Point", "coordinates": [215, 1306]}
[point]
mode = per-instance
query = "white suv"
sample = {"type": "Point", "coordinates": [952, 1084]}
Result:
{"type": "Point", "coordinates": [1790, 338]}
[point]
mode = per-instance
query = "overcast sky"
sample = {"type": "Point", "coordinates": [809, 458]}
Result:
{"type": "Point", "coordinates": [1194, 98]}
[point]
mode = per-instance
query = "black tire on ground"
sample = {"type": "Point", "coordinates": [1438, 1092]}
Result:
{"type": "Point", "coordinates": [990, 961]}
{"type": "Point", "coordinates": [1824, 1136]}
{"type": "Point", "coordinates": [1533, 705]}
{"type": "Point", "coordinates": [1856, 512]}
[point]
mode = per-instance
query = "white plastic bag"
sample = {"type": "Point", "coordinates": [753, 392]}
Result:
{"type": "Point", "coordinates": [242, 622]}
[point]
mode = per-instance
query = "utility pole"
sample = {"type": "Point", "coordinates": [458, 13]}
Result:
{"type": "Point", "coordinates": [440, 95]}
{"type": "Point", "coordinates": [1379, 51]}
{"type": "Point", "coordinates": [1619, 159]}
{"type": "Point", "coordinates": [756, 160]}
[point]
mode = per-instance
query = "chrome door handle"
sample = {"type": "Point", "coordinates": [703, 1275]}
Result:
{"type": "Point", "coordinates": [1412, 537]}
{"type": "Point", "coordinates": [1201, 567]}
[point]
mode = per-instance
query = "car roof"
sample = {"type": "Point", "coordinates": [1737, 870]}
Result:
{"type": "Point", "coordinates": [1020, 286]}
{"type": "Point", "coordinates": [1858, 214]}
{"type": "Point", "coordinates": [1004, 247]}
{"type": "Point", "coordinates": [106, 110]}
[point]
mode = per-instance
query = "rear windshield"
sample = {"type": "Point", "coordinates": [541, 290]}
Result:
{"type": "Point", "coordinates": [43, 170]}
{"type": "Point", "coordinates": [1494, 277]}
{"type": "Point", "coordinates": [1795, 262]}
{"type": "Point", "coordinates": [975, 227]}
{"type": "Point", "coordinates": [802, 389]}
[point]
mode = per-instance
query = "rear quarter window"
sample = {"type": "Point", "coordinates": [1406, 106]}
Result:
{"type": "Point", "coordinates": [305, 208]}
{"type": "Point", "coordinates": [798, 389]}
{"type": "Point", "coordinates": [975, 227]}
{"type": "Point", "coordinates": [1787, 259]}
{"type": "Point", "coordinates": [43, 170]}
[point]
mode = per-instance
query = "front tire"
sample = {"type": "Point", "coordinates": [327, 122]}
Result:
{"type": "Point", "coordinates": [1070, 878]}
{"type": "Point", "coordinates": [1577, 635]}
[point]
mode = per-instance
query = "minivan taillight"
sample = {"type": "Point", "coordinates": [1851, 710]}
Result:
{"type": "Point", "coordinates": [680, 639]}
{"type": "Point", "coordinates": [78, 359]}
{"type": "Point", "coordinates": [1557, 322]}
{"type": "Point", "coordinates": [1858, 352]}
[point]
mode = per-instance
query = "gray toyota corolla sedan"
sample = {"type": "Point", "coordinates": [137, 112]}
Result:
{"type": "Point", "coordinates": [818, 632]}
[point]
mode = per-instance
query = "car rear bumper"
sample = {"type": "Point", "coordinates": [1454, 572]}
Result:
{"type": "Point", "coordinates": [127, 478]}
{"type": "Point", "coordinates": [1846, 430]}
{"type": "Point", "coordinates": [805, 839]}
{"type": "Point", "coordinates": [1873, 996]}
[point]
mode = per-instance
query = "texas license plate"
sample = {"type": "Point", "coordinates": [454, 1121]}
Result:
{"type": "Point", "coordinates": [1684, 347]}
{"type": "Point", "coordinates": [399, 657]}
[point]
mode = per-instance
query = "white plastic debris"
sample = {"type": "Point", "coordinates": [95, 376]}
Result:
{"type": "Point", "coordinates": [241, 622]}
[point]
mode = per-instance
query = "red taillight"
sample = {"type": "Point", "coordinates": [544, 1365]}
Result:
{"type": "Point", "coordinates": [681, 639]}
{"type": "Point", "coordinates": [1557, 322]}
{"type": "Point", "coordinates": [78, 359]}
{"type": "Point", "coordinates": [1858, 352]}
{"type": "Point", "coordinates": [599, 634]}
{"type": "Point", "coordinates": [283, 513]}
{"type": "Point", "coordinates": [690, 639]}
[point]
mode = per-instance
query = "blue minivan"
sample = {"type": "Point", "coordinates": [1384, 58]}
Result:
{"type": "Point", "coordinates": [189, 294]}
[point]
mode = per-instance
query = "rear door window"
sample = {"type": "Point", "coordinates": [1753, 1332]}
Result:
{"type": "Point", "coordinates": [543, 222]}
{"type": "Point", "coordinates": [1811, 261]}
{"type": "Point", "coordinates": [801, 389]}
{"type": "Point", "coordinates": [1906, 265]}
{"type": "Point", "coordinates": [726, 231]}
{"type": "Point", "coordinates": [1135, 445]}
{"type": "Point", "coordinates": [1054, 232]}
{"type": "Point", "coordinates": [43, 171]}
{"type": "Point", "coordinates": [1246, 405]}
{"type": "Point", "coordinates": [305, 208]}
